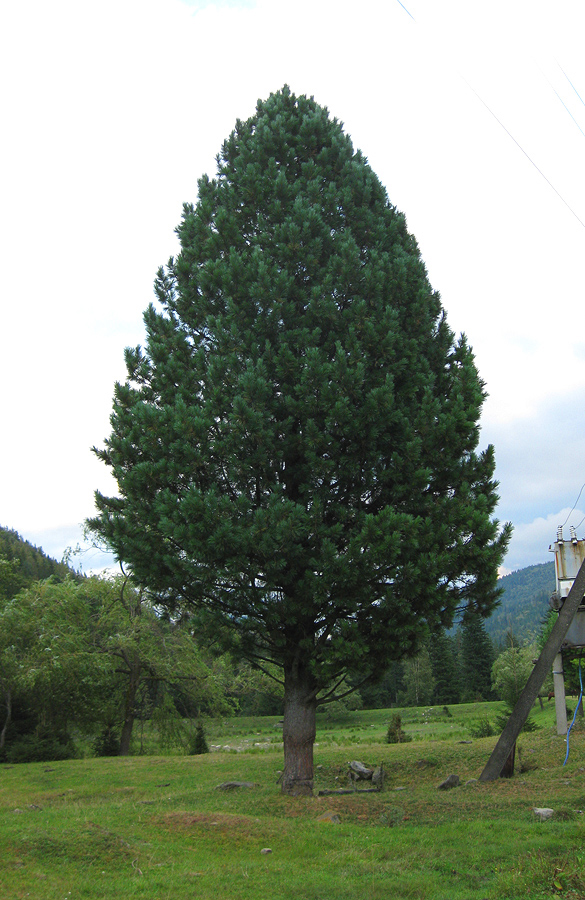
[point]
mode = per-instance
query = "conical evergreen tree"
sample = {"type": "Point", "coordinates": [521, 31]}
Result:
{"type": "Point", "coordinates": [295, 450]}
{"type": "Point", "coordinates": [443, 653]}
{"type": "Point", "coordinates": [477, 658]}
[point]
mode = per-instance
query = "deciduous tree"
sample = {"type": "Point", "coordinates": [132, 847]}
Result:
{"type": "Point", "coordinates": [296, 446]}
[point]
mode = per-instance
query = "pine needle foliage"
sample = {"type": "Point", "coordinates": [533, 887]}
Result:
{"type": "Point", "coordinates": [296, 446]}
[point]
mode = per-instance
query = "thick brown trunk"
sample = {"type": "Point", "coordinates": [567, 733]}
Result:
{"type": "Point", "coordinates": [299, 732]}
{"type": "Point", "coordinates": [130, 707]}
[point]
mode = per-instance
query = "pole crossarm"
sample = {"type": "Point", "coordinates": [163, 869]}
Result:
{"type": "Point", "coordinates": [543, 665]}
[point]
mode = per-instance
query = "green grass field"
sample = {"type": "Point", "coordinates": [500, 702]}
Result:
{"type": "Point", "coordinates": [158, 827]}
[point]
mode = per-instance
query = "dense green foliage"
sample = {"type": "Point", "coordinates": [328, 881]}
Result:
{"type": "Point", "coordinates": [477, 658]}
{"type": "Point", "coordinates": [296, 446]}
{"type": "Point", "coordinates": [511, 671]}
{"type": "Point", "coordinates": [445, 668]}
{"type": "Point", "coordinates": [419, 683]}
{"type": "Point", "coordinates": [89, 658]}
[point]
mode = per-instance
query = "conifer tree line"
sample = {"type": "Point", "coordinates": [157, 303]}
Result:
{"type": "Point", "coordinates": [451, 667]}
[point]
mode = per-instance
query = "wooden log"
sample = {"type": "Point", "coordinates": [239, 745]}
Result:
{"type": "Point", "coordinates": [326, 793]}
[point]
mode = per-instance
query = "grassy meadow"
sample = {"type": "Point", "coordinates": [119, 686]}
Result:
{"type": "Point", "coordinates": [157, 827]}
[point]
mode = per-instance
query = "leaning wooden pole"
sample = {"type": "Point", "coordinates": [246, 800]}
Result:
{"type": "Point", "coordinates": [543, 666]}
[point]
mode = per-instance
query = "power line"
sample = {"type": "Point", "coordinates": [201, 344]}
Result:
{"type": "Point", "coordinates": [568, 110]}
{"type": "Point", "coordinates": [405, 10]}
{"type": "Point", "coordinates": [510, 135]}
{"type": "Point", "coordinates": [520, 147]}
{"type": "Point", "coordinates": [560, 99]}
{"type": "Point", "coordinates": [574, 506]}
{"type": "Point", "coordinates": [571, 83]}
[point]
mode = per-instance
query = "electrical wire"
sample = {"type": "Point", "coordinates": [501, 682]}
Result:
{"type": "Point", "coordinates": [574, 505]}
{"type": "Point", "coordinates": [576, 709]}
{"type": "Point", "coordinates": [414, 20]}
{"type": "Point", "coordinates": [510, 135]}
{"type": "Point", "coordinates": [580, 523]}
{"type": "Point", "coordinates": [520, 147]}
{"type": "Point", "coordinates": [560, 99]}
{"type": "Point", "coordinates": [570, 82]}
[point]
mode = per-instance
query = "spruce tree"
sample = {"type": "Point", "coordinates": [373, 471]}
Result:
{"type": "Point", "coordinates": [477, 658]}
{"type": "Point", "coordinates": [443, 653]}
{"type": "Point", "coordinates": [296, 446]}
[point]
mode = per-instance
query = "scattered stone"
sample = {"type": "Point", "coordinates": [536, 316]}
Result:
{"type": "Point", "coordinates": [17, 810]}
{"type": "Point", "coordinates": [543, 812]}
{"type": "Point", "coordinates": [425, 764]}
{"type": "Point", "coordinates": [34, 806]}
{"type": "Point", "coordinates": [234, 785]}
{"type": "Point", "coordinates": [451, 782]}
{"type": "Point", "coordinates": [465, 742]}
{"type": "Point", "coordinates": [266, 850]}
{"type": "Point", "coordinates": [359, 772]}
{"type": "Point", "coordinates": [400, 788]}
{"type": "Point", "coordinates": [471, 781]}
{"type": "Point", "coordinates": [330, 816]}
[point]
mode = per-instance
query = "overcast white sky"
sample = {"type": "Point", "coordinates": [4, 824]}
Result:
{"type": "Point", "coordinates": [112, 110]}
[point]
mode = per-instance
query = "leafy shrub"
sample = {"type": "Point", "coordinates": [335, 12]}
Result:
{"type": "Point", "coordinates": [107, 743]}
{"type": "Point", "coordinates": [395, 734]}
{"type": "Point", "coordinates": [40, 747]}
{"type": "Point", "coordinates": [502, 721]}
{"type": "Point", "coordinates": [482, 728]}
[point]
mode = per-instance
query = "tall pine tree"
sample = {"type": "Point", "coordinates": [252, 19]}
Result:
{"type": "Point", "coordinates": [443, 653]}
{"type": "Point", "coordinates": [477, 658]}
{"type": "Point", "coordinates": [295, 449]}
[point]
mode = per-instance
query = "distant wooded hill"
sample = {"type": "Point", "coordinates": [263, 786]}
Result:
{"type": "Point", "coordinates": [29, 563]}
{"type": "Point", "coordinates": [525, 602]}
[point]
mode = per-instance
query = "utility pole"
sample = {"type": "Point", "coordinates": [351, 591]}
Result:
{"type": "Point", "coordinates": [543, 665]}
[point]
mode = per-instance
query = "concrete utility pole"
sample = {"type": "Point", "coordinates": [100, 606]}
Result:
{"type": "Point", "coordinates": [543, 665]}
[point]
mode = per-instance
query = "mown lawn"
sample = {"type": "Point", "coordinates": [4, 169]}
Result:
{"type": "Point", "coordinates": [158, 827]}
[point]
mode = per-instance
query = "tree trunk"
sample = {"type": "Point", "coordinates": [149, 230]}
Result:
{"type": "Point", "coordinates": [130, 707]}
{"type": "Point", "coordinates": [299, 731]}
